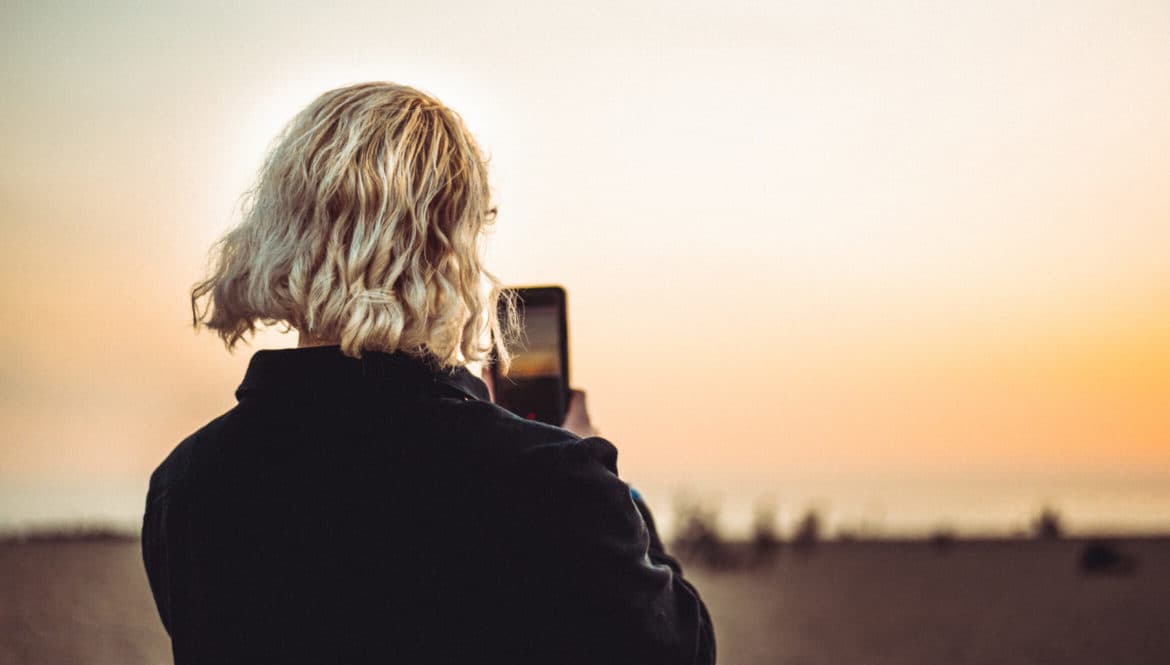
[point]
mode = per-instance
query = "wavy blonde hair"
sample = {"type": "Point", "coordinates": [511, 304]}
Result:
{"type": "Point", "coordinates": [364, 229]}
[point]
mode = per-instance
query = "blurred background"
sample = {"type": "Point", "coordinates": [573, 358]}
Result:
{"type": "Point", "coordinates": [902, 266]}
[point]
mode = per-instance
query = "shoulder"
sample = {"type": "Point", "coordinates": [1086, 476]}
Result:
{"type": "Point", "coordinates": [575, 481]}
{"type": "Point", "coordinates": [512, 436]}
{"type": "Point", "coordinates": [175, 472]}
{"type": "Point", "coordinates": [593, 452]}
{"type": "Point", "coordinates": [541, 458]}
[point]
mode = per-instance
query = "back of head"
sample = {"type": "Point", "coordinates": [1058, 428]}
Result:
{"type": "Point", "coordinates": [363, 230]}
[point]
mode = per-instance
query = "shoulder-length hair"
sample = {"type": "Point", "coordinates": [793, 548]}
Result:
{"type": "Point", "coordinates": [364, 229]}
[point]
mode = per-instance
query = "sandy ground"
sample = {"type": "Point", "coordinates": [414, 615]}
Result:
{"type": "Point", "coordinates": [865, 603]}
{"type": "Point", "coordinates": [907, 604]}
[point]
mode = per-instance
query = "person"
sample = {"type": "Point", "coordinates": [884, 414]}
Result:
{"type": "Point", "coordinates": [364, 501]}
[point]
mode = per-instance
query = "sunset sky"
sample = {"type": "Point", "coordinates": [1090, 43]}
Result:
{"type": "Point", "coordinates": [908, 262]}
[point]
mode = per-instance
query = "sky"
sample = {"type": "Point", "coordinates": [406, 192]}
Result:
{"type": "Point", "coordinates": [908, 262]}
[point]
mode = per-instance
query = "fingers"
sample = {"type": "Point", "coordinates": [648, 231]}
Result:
{"type": "Point", "coordinates": [577, 401]}
{"type": "Point", "coordinates": [577, 415]}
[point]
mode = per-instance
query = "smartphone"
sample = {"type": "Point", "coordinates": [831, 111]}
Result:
{"type": "Point", "coordinates": [536, 386]}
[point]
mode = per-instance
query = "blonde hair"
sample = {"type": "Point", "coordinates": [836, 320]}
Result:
{"type": "Point", "coordinates": [364, 229]}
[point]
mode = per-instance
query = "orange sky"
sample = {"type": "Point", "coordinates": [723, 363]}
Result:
{"type": "Point", "coordinates": [797, 241]}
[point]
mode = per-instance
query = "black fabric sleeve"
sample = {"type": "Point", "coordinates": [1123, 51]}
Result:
{"type": "Point", "coordinates": [657, 550]}
{"type": "Point", "coordinates": [162, 521]}
{"type": "Point", "coordinates": [155, 552]}
{"type": "Point", "coordinates": [621, 598]}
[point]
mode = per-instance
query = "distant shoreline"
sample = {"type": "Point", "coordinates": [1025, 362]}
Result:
{"type": "Point", "coordinates": [69, 534]}
{"type": "Point", "coordinates": [109, 533]}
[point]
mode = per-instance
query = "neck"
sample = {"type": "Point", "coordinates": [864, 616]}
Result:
{"type": "Point", "coordinates": [305, 340]}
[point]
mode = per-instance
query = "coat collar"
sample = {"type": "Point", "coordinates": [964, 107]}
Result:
{"type": "Point", "coordinates": [317, 367]}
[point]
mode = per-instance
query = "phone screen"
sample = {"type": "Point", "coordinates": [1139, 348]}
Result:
{"type": "Point", "coordinates": [536, 384]}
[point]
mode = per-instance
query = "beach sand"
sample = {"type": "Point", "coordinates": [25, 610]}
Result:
{"type": "Point", "coordinates": [1002, 602]}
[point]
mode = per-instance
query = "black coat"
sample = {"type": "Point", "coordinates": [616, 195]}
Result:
{"type": "Point", "coordinates": [385, 511]}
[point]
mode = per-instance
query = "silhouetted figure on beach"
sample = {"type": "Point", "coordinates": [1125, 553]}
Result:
{"type": "Point", "coordinates": [698, 538]}
{"type": "Point", "coordinates": [1047, 525]}
{"type": "Point", "coordinates": [808, 531]}
{"type": "Point", "coordinates": [765, 541]}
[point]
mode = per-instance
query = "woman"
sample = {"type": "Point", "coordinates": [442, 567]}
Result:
{"type": "Point", "coordinates": [364, 501]}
